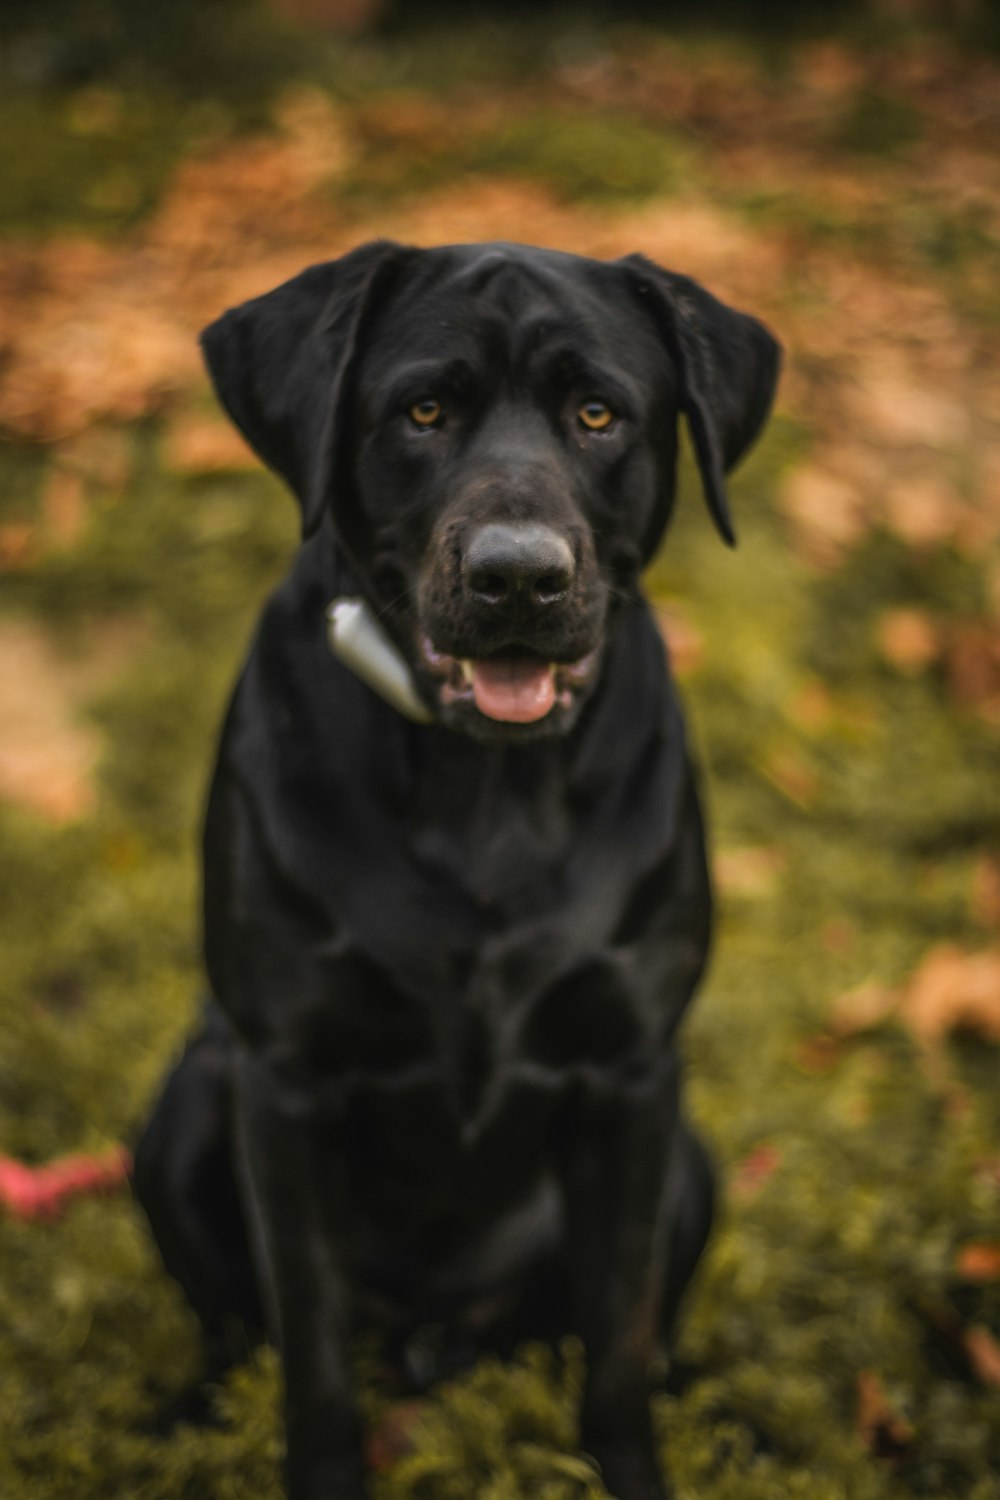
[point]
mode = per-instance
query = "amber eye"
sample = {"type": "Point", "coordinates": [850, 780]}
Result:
{"type": "Point", "coordinates": [426, 413]}
{"type": "Point", "coordinates": [596, 416]}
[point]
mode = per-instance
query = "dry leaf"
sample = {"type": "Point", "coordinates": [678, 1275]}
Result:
{"type": "Point", "coordinates": [827, 512]}
{"type": "Point", "coordinates": [786, 770]}
{"type": "Point", "coordinates": [862, 1009]}
{"type": "Point", "coordinates": [979, 1261]}
{"type": "Point", "coordinates": [750, 872]}
{"type": "Point", "coordinates": [900, 412]}
{"type": "Point", "coordinates": [16, 538]}
{"type": "Point", "coordinates": [908, 638]}
{"type": "Point", "coordinates": [952, 989]}
{"type": "Point", "coordinates": [683, 639]}
{"type": "Point", "coordinates": [819, 1054]}
{"type": "Point", "coordinates": [923, 511]}
{"type": "Point", "coordinates": [988, 1171]}
{"type": "Point", "coordinates": [47, 751]}
{"type": "Point", "coordinates": [839, 936]}
{"type": "Point", "coordinates": [986, 890]}
{"type": "Point", "coordinates": [63, 507]}
{"type": "Point", "coordinates": [812, 707]}
{"type": "Point", "coordinates": [750, 1174]}
{"type": "Point", "coordinates": [983, 1353]}
{"type": "Point", "coordinates": [206, 445]}
{"type": "Point", "coordinates": [881, 1428]}
{"type": "Point", "coordinates": [973, 666]}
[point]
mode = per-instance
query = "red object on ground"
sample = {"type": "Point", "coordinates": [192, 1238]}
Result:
{"type": "Point", "coordinates": [753, 1171]}
{"type": "Point", "coordinates": [42, 1192]}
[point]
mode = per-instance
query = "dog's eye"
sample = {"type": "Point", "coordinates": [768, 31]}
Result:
{"type": "Point", "coordinates": [426, 413]}
{"type": "Point", "coordinates": [595, 416]}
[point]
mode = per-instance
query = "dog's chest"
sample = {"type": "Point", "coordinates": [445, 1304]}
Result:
{"type": "Point", "coordinates": [460, 1090]}
{"type": "Point", "coordinates": [474, 1025]}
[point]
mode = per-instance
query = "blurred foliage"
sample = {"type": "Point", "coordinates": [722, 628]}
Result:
{"type": "Point", "coordinates": [841, 670]}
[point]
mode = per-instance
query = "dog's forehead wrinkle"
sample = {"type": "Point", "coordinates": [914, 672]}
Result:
{"type": "Point", "coordinates": [517, 317]}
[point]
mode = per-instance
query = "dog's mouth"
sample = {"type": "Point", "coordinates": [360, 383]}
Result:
{"type": "Point", "coordinates": [511, 686]}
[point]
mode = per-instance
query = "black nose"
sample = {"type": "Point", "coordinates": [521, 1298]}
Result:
{"type": "Point", "coordinates": [507, 564]}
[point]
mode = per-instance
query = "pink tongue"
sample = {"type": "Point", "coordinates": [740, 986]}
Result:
{"type": "Point", "coordinates": [518, 689]}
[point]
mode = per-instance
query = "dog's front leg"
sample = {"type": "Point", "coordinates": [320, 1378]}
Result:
{"type": "Point", "coordinates": [295, 1173]}
{"type": "Point", "coordinates": [615, 1170]}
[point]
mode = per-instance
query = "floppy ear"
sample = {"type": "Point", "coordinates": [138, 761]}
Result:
{"type": "Point", "coordinates": [281, 365]}
{"type": "Point", "coordinates": [727, 367]}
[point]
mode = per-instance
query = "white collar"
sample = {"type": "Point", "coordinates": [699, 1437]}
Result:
{"type": "Point", "coordinates": [358, 640]}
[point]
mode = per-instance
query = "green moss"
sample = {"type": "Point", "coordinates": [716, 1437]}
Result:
{"type": "Point", "coordinates": [877, 124]}
{"type": "Point", "coordinates": [96, 159]}
{"type": "Point", "coordinates": [607, 159]}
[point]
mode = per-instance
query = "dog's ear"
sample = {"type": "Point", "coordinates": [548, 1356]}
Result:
{"type": "Point", "coordinates": [727, 368]}
{"type": "Point", "coordinates": [281, 365]}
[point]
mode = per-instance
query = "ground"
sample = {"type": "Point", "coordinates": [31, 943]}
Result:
{"type": "Point", "coordinates": [842, 670]}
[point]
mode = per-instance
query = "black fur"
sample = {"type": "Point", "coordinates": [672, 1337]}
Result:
{"type": "Point", "coordinates": [437, 1084]}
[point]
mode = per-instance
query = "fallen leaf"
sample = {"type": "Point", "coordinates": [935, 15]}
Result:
{"type": "Point", "coordinates": [749, 872]}
{"type": "Point", "coordinates": [828, 513]}
{"type": "Point", "coordinates": [881, 1428]}
{"type": "Point", "coordinates": [683, 639]}
{"type": "Point", "coordinates": [898, 410]}
{"type": "Point", "coordinates": [979, 1261]}
{"type": "Point", "coordinates": [988, 1171]}
{"type": "Point", "coordinates": [819, 1054]}
{"type": "Point", "coordinates": [908, 638]}
{"type": "Point", "coordinates": [838, 935]}
{"type": "Point", "coordinates": [48, 752]}
{"type": "Point", "coordinates": [786, 770]}
{"type": "Point", "coordinates": [750, 1174]}
{"type": "Point", "coordinates": [862, 1009]}
{"type": "Point", "coordinates": [984, 1354]}
{"type": "Point", "coordinates": [63, 508]}
{"type": "Point", "coordinates": [206, 445]}
{"type": "Point", "coordinates": [952, 989]}
{"type": "Point", "coordinates": [972, 663]}
{"type": "Point", "coordinates": [16, 538]}
{"type": "Point", "coordinates": [923, 511]}
{"type": "Point", "coordinates": [811, 708]}
{"type": "Point", "coordinates": [986, 890]}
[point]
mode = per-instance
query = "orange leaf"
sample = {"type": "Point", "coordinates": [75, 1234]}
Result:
{"type": "Point", "coordinates": [683, 639]}
{"type": "Point", "coordinates": [979, 1261]}
{"type": "Point", "coordinates": [862, 1009]}
{"type": "Point", "coordinates": [952, 989]}
{"type": "Point", "coordinates": [751, 871]}
{"type": "Point", "coordinates": [986, 890]}
{"type": "Point", "coordinates": [984, 1354]}
{"type": "Point", "coordinates": [206, 445]}
{"type": "Point", "coordinates": [753, 1171]}
{"type": "Point", "coordinates": [908, 639]}
{"type": "Point", "coordinates": [882, 1430]}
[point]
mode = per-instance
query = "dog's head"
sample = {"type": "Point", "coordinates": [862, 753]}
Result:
{"type": "Point", "coordinates": [493, 430]}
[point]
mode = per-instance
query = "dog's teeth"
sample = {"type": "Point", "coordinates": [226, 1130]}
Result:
{"type": "Point", "coordinates": [466, 666]}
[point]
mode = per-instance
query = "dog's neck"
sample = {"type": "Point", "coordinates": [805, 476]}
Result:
{"type": "Point", "coordinates": [358, 640]}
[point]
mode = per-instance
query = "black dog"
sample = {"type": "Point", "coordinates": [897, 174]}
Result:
{"type": "Point", "coordinates": [436, 1090]}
